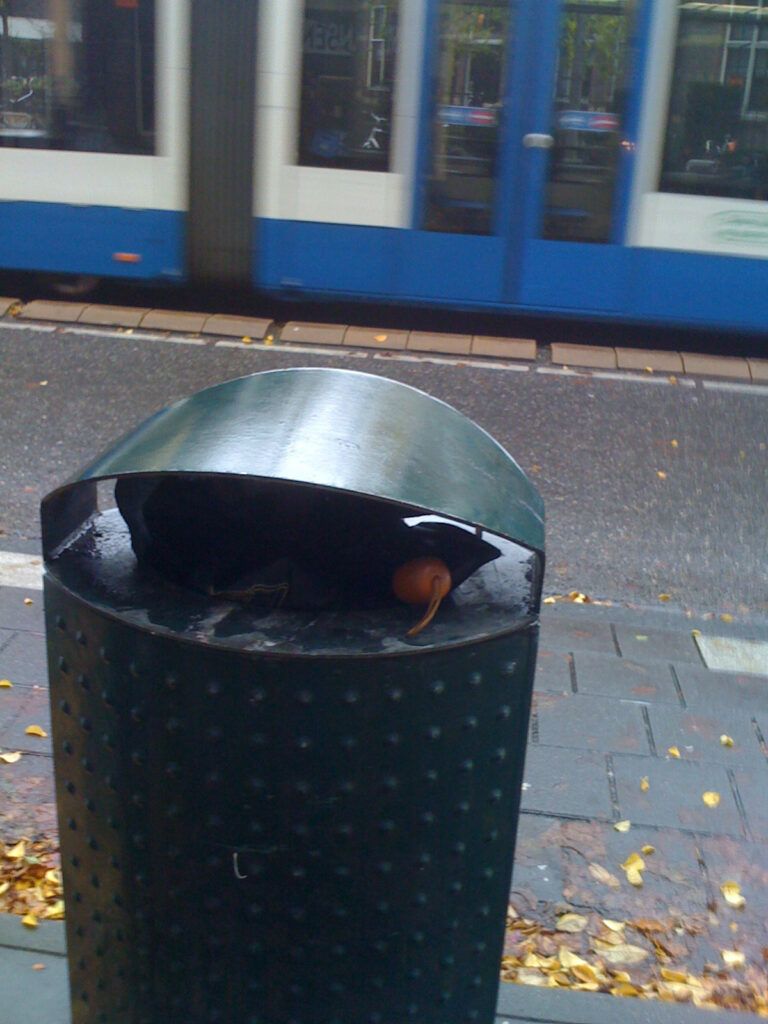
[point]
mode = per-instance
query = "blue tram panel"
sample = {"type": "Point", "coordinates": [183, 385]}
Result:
{"type": "Point", "coordinates": [594, 157]}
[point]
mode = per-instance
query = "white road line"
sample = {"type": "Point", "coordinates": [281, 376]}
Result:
{"type": "Point", "coordinates": [322, 350]}
{"type": "Point", "coordinates": [130, 334]}
{"type": "Point", "coordinates": [645, 378]}
{"type": "Point", "coordinates": [29, 325]}
{"type": "Point", "coordinates": [739, 389]}
{"type": "Point", "coordinates": [19, 570]}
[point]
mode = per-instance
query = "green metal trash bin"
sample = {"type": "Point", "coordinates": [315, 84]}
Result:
{"type": "Point", "coordinates": [277, 815]}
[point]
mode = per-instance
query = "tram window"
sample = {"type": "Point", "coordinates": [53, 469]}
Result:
{"type": "Point", "coordinates": [463, 176]}
{"type": "Point", "coordinates": [590, 87]}
{"type": "Point", "coordinates": [717, 125]}
{"type": "Point", "coordinates": [347, 76]}
{"type": "Point", "coordinates": [78, 75]}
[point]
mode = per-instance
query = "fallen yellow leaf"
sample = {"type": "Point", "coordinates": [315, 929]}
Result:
{"type": "Point", "coordinates": [550, 600]}
{"type": "Point", "coordinates": [246, 341]}
{"type": "Point", "coordinates": [710, 798]}
{"type": "Point", "coordinates": [28, 600]}
{"type": "Point", "coordinates": [622, 826]}
{"type": "Point", "coordinates": [726, 741]}
{"type": "Point", "coordinates": [569, 959]}
{"type": "Point", "coordinates": [725, 617]}
{"type": "Point", "coordinates": [661, 474]}
{"type": "Point", "coordinates": [673, 752]}
{"type": "Point", "coordinates": [381, 337]}
{"type": "Point", "coordinates": [18, 851]}
{"type": "Point", "coordinates": [6, 684]}
{"type": "Point", "coordinates": [644, 784]}
{"type": "Point", "coordinates": [732, 893]}
{"type": "Point", "coordinates": [648, 849]}
{"type": "Point", "coordinates": [55, 912]}
{"type": "Point", "coordinates": [11, 758]}
{"type": "Point", "coordinates": [601, 874]}
{"type": "Point", "coordinates": [625, 989]}
{"type": "Point", "coordinates": [626, 953]}
{"type": "Point", "coordinates": [614, 926]}
{"type": "Point", "coordinates": [634, 877]}
{"type": "Point", "coordinates": [38, 967]}
{"type": "Point", "coordinates": [36, 730]}
{"type": "Point", "coordinates": [673, 443]}
{"type": "Point", "coordinates": [4, 887]}
{"type": "Point", "coordinates": [669, 975]}
{"type": "Point", "coordinates": [29, 920]}
{"type": "Point", "coordinates": [733, 957]}
{"type": "Point", "coordinates": [634, 860]}
{"type": "Point", "coordinates": [664, 597]}
{"type": "Point", "coordinates": [571, 923]}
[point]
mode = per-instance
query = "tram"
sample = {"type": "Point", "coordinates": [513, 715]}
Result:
{"type": "Point", "coordinates": [591, 158]}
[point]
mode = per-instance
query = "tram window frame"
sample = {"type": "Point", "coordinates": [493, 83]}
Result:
{"type": "Point", "coordinates": [466, 140]}
{"type": "Point", "coordinates": [347, 84]}
{"type": "Point", "coordinates": [716, 135]}
{"type": "Point", "coordinates": [588, 111]}
{"type": "Point", "coordinates": [85, 85]}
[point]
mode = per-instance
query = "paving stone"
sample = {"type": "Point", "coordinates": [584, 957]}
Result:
{"type": "Point", "coordinates": [656, 644]}
{"type": "Point", "coordinates": [607, 676]}
{"type": "Point", "coordinates": [758, 369]}
{"type": "Point", "coordinates": [42, 309]}
{"type": "Point", "coordinates": [701, 686]}
{"type": "Point", "coordinates": [553, 671]}
{"type": "Point", "coordinates": [576, 634]}
{"type": "Point", "coordinates": [315, 334]}
{"type": "Point", "coordinates": [734, 654]}
{"type": "Point", "coordinates": [727, 860]}
{"type": "Point", "coordinates": [237, 326]}
{"type": "Point", "coordinates": [15, 614]}
{"type": "Point", "coordinates": [118, 316]}
{"type": "Point", "coordinates": [641, 359]}
{"type": "Point", "coordinates": [503, 348]}
{"type": "Point", "coordinates": [450, 344]}
{"type": "Point", "coordinates": [537, 874]}
{"type": "Point", "coordinates": [27, 798]}
{"type": "Point", "coordinates": [570, 782]}
{"type": "Point", "coordinates": [753, 790]}
{"type": "Point", "coordinates": [171, 320]}
{"type": "Point", "coordinates": [30, 707]}
{"type": "Point", "coordinates": [674, 797]}
{"type": "Point", "coordinates": [375, 337]}
{"type": "Point", "coordinates": [715, 366]}
{"type": "Point", "coordinates": [589, 723]}
{"type": "Point", "coordinates": [23, 659]}
{"type": "Point", "coordinates": [32, 996]}
{"type": "Point", "coordinates": [583, 355]}
{"type": "Point", "coordinates": [696, 734]}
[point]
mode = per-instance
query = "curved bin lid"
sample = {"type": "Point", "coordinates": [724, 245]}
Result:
{"type": "Point", "coordinates": [330, 428]}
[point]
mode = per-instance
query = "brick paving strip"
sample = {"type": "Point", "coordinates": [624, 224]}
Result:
{"type": "Point", "coordinates": [263, 330]}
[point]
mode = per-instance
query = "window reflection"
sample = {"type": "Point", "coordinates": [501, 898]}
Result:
{"type": "Point", "coordinates": [77, 74]}
{"type": "Point", "coordinates": [717, 129]}
{"type": "Point", "coordinates": [589, 99]}
{"type": "Point", "coordinates": [347, 78]}
{"type": "Point", "coordinates": [465, 146]}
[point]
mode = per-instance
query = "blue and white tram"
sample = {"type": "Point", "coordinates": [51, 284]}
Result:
{"type": "Point", "coordinates": [602, 158]}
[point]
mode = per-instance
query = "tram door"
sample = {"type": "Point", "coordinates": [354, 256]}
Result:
{"type": "Point", "coordinates": [527, 142]}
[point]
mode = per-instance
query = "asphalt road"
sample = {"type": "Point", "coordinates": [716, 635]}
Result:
{"type": "Point", "coordinates": [651, 486]}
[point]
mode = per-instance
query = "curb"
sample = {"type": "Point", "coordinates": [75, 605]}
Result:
{"type": "Point", "coordinates": [270, 332]}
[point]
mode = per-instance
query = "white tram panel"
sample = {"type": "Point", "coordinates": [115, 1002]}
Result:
{"type": "Point", "coordinates": [152, 182]}
{"type": "Point", "coordinates": [669, 220]}
{"type": "Point", "coordinates": [286, 190]}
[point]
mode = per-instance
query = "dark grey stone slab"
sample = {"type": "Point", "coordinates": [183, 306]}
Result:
{"type": "Point", "coordinates": [31, 707]}
{"type": "Point", "coordinates": [48, 937]}
{"type": "Point", "coordinates": [732, 689]}
{"type": "Point", "coordinates": [30, 995]}
{"type": "Point", "coordinates": [568, 782]}
{"type": "Point", "coordinates": [589, 723]}
{"type": "Point", "coordinates": [696, 733]}
{"type": "Point", "coordinates": [656, 644]}
{"type": "Point", "coordinates": [553, 671]}
{"type": "Point", "coordinates": [752, 786]}
{"type": "Point", "coordinates": [647, 683]}
{"type": "Point", "coordinates": [14, 614]}
{"type": "Point", "coordinates": [576, 634]}
{"type": "Point", "coordinates": [674, 796]}
{"type": "Point", "coordinates": [23, 659]}
{"type": "Point", "coordinates": [537, 875]}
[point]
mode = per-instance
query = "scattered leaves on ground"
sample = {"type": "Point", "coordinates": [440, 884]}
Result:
{"type": "Point", "coordinates": [30, 881]}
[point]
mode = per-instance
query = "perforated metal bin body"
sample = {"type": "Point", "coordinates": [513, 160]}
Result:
{"type": "Point", "coordinates": [291, 817]}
